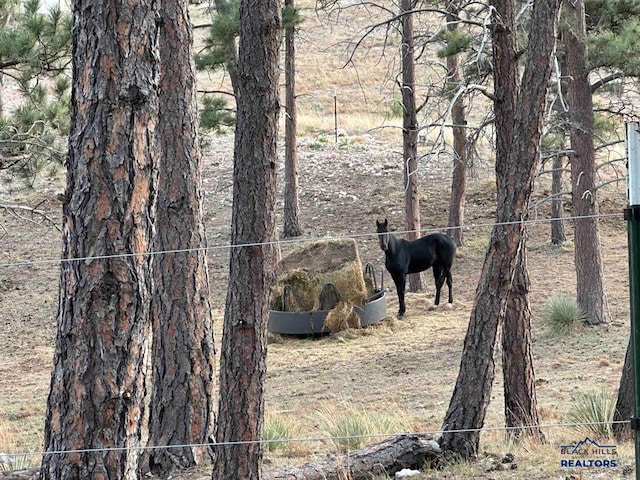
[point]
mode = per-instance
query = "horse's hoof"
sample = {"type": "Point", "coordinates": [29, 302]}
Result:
{"type": "Point", "coordinates": [433, 307]}
{"type": "Point", "coordinates": [449, 306]}
{"type": "Point", "coordinates": [399, 316]}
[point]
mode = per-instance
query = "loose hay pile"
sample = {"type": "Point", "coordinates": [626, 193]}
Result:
{"type": "Point", "coordinates": [323, 275]}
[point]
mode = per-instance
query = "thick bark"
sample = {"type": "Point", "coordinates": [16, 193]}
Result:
{"type": "Point", "coordinates": [291, 227]}
{"type": "Point", "coordinates": [558, 236]}
{"type": "Point", "coordinates": [181, 407]}
{"type": "Point", "coordinates": [384, 458]}
{"type": "Point", "coordinates": [251, 267]}
{"type": "Point", "coordinates": [98, 383]}
{"type": "Point", "coordinates": [625, 404]}
{"type": "Point", "coordinates": [518, 129]}
{"type": "Point", "coordinates": [459, 120]}
{"type": "Point", "coordinates": [590, 283]}
{"type": "Point", "coordinates": [410, 135]}
{"type": "Point", "coordinates": [520, 404]}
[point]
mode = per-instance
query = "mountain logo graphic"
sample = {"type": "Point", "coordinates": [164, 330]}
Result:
{"type": "Point", "coordinates": [585, 444]}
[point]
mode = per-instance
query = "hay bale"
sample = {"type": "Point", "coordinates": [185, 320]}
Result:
{"type": "Point", "coordinates": [303, 286]}
{"type": "Point", "coordinates": [311, 266]}
{"type": "Point", "coordinates": [369, 286]}
{"type": "Point", "coordinates": [322, 256]}
{"type": "Point", "coordinates": [341, 317]}
{"type": "Point", "coordinates": [329, 297]}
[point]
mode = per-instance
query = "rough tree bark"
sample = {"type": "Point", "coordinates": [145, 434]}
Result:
{"type": "Point", "coordinates": [558, 236]}
{"type": "Point", "coordinates": [251, 267]}
{"type": "Point", "coordinates": [625, 404]}
{"type": "Point", "coordinates": [98, 383]}
{"type": "Point", "coordinates": [182, 400]}
{"type": "Point", "coordinates": [591, 295]}
{"type": "Point", "coordinates": [291, 223]}
{"type": "Point", "coordinates": [410, 135]}
{"type": "Point", "coordinates": [520, 403]}
{"type": "Point", "coordinates": [518, 129]}
{"type": "Point", "coordinates": [459, 120]}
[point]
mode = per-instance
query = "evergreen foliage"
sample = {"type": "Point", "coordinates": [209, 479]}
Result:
{"type": "Point", "coordinates": [291, 17]}
{"type": "Point", "coordinates": [613, 29]}
{"type": "Point", "coordinates": [217, 53]}
{"type": "Point", "coordinates": [215, 114]}
{"type": "Point", "coordinates": [617, 49]}
{"type": "Point", "coordinates": [223, 32]}
{"type": "Point", "coordinates": [610, 15]}
{"type": "Point", "coordinates": [34, 56]}
{"type": "Point", "coordinates": [455, 42]}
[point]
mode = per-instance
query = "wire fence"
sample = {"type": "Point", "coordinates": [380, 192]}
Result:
{"type": "Point", "coordinates": [291, 241]}
{"type": "Point", "coordinates": [428, 434]}
{"type": "Point", "coordinates": [7, 457]}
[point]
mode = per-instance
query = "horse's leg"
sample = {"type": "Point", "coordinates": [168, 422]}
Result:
{"type": "Point", "coordinates": [438, 277]}
{"type": "Point", "coordinates": [399, 279]}
{"type": "Point", "coordinates": [450, 285]}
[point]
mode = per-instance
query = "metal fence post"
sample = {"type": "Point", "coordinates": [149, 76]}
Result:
{"type": "Point", "coordinates": [632, 216]}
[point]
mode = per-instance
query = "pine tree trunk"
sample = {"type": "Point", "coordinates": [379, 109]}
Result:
{"type": "Point", "coordinates": [625, 404]}
{"type": "Point", "coordinates": [98, 382]}
{"type": "Point", "coordinates": [251, 267]}
{"type": "Point", "coordinates": [558, 236]}
{"type": "Point", "coordinates": [459, 120]}
{"type": "Point", "coordinates": [518, 130]}
{"type": "Point", "coordinates": [520, 404]}
{"type": "Point", "coordinates": [410, 136]}
{"type": "Point", "coordinates": [590, 284]}
{"type": "Point", "coordinates": [291, 222]}
{"type": "Point", "coordinates": [182, 405]}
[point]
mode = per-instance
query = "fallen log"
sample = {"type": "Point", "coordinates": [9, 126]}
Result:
{"type": "Point", "coordinates": [28, 474]}
{"type": "Point", "coordinates": [387, 457]}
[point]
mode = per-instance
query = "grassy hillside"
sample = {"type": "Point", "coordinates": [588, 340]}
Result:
{"type": "Point", "coordinates": [402, 371]}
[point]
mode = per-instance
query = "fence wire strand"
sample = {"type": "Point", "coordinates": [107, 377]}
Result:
{"type": "Point", "coordinates": [45, 261]}
{"type": "Point", "coordinates": [432, 434]}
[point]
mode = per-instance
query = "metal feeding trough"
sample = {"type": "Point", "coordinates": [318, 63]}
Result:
{"type": "Point", "coordinates": [309, 323]}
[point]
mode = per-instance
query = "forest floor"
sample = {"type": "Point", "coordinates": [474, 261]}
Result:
{"type": "Point", "coordinates": [407, 366]}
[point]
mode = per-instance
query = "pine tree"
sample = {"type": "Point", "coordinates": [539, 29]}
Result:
{"type": "Point", "coordinates": [96, 399]}
{"type": "Point", "coordinates": [34, 56]}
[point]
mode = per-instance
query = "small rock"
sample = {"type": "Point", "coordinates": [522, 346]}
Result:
{"type": "Point", "coordinates": [508, 458]}
{"type": "Point", "coordinates": [406, 473]}
{"type": "Point", "coordinates": [434, 446]}
{"type": "Point", "coordinates": [6, 459]}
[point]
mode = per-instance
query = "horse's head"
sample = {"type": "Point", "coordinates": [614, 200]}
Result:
{"type": "Point", "coordinates": [383, 234]}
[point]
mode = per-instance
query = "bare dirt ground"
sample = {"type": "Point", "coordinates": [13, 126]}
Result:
{"type": "Point", "coordinates": [408, 366]}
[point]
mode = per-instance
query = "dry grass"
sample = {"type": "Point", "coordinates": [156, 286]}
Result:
{"type": "Point", "coordinates": [407, 367]}
{"type": "Point", "coordinates": [362, 85]}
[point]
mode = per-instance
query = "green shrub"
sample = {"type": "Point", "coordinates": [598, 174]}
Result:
{"type": "Point", "coordinates": [396, 109]}
{"type": "Point", "coordinates": [320, 142]}
{"type": "Point", "coordinates": [561, 314]}
{"type": "Point", "coordinates": [595, 409]}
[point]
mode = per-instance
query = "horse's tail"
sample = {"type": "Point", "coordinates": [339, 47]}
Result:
{"type": "Point", "coordinates": [448, 250]}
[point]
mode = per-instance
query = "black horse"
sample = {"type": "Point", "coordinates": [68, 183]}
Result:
{"type": "Point", "coordinates": [403, 257]}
